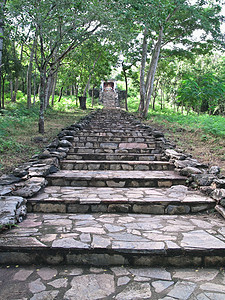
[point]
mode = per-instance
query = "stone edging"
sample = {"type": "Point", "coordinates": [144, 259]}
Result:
{"type": "Point", "coordinates": [29, 178]}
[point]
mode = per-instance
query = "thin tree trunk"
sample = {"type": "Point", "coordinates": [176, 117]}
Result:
{"type": "Point", "coordinates": [60, 94]}
{"type": "Point", "coordinates": [15, 89]}
{"type": "Point", "coordinates": [76, 93]}
{"type": "Point", "coordinates": [34, 99]}
{"type": "Point", "coordinates": [29, 74]}
{"type": "Point", "coordinates": [11, 89]}
{"type": "Point", "coordinates": [0, 88]}
{"type": "Point", "coordinates": [162, 96]}
{"type": "Point", "coordinates": [53, 88]}
{"type": "Point", "coordinates": [47, 91]}
{"type": "Point", "coordinates": [90, 75]}
{"type": "Point", "coordinates": [42, 100]}
{"type": "Point", "coordinates": [1, 49]}
{"type": "Point", "coordinates": [154, 63]}
{"type": "Point", "coordinates": [155, 94]}
{"type": "Point", "coordinates": [92, 96]}
{"type": "Point", "coordinates": [142, 71]}
{"type": "Point", "coordinates": [126, 84]}
{"type": "Point", "coordinates": [3, 93]}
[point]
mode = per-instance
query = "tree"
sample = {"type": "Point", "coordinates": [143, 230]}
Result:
{"type": "Point", "coordinates": [60, 27]}
{"type": "Point", "coordinates": [202, 85]}
{"type": "Point", "coordinates": [2, 4]}
{"type": "Point", "coordinates": [171, 23]}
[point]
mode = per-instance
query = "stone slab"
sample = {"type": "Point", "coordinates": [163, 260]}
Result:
{"type": "Point", "coordinates": [116, 178]}
{"type": "Point", "coordinates": [115, 165]}
{"type": "Point", "coordinates": [142, 239]}
{"type": "Point", "coordinates": [101, 199]}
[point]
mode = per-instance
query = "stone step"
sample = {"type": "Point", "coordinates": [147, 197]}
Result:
{"type": "Point", "coordinates": [114, 156]}
{"type": "Point", "coordinates": [176, 200]}
{"type": "Point", "coordinates": [116, 165]}
{"type": "Point", "coordinates": [103, 239]}
{"type": "Point", "coordinates": [111, 148]}
{"type": "Point", "coordinates": [114, 139]}
{"type": "Point", "coordinates": [116, 145]}
{"type": "Point", "coordinates": [116, 178]}
{"type": "Point", "coordinates": [114, 133]}
{"type": "Point", "coordinates": [111, 126]}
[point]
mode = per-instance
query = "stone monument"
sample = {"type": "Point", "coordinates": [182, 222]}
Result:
{"type": "Point", "coordinates": [108, 94]}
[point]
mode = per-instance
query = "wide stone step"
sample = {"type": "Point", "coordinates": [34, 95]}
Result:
{"type": "Point", "coordinates": [114, 139]}
{"type": "Point", "coordinates": [110, 127]}
{"type": "Point", "coordinates": [114, 156]}
{"type": "Point", "coordinates": [114, 133]}
{"type": "Point", "coordinates": [102, 239]}
{"type": "Point", "coordinates": [111, 148]}
{"type": "Point", "coordinates": [116, 178]}
{"type": "Point", "coordinates": [177, 200]}
{"type": "Point", "coordinates": [116, 165]}
{"type": "Point", "coordinates": [115, 145]}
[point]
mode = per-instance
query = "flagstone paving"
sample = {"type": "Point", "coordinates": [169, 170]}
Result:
{"type": "Point", "coordinates": [115, 239]}
{"type": "Point", "coordinates": [120, 283]}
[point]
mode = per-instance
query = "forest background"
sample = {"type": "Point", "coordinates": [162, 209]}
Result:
{"type": "Point", "coordinates": [167, 55]}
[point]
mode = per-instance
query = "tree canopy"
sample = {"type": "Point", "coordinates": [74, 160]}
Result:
{"type": "Point", "coordinates": [73, 43]}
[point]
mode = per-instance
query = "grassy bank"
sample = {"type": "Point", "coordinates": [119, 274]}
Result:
{"type": "Point", "coordinates": [202, 136]}
{"type": "Point", "coordinates": [19, 129]}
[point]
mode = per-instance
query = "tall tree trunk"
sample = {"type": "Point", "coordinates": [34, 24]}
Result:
{"type": "Point", "coordinates": [90, 75]}
{"type": "Point", "coordinates": [162, 96]}
{"type": "Point", "coordinates": [15, 89]}
{"type": "Point", "coordinates": [11, 89]}
{"type": "Point", "coordinates": [41, 124]}
{"type": "Point", "coordinates": [60, 94]}
{"type": "Point", "coordinates": [1, 32]}
{"type": "Point", "coordinates": [155, 94]}
{"type": "Point", "coordinates": [0, 88]}
{"type": "Point", "coordinates": [92, 96]}
{"type": "Point", "coordinates": [142, 71]}
{"type": "Point", "coordinates": [2, 3]}
{"type": "Point", "coordinates": [48, 89]}
{"type": "Point", "coordinates": [29, 74]}
{"type": "Point", "coordinates": [153, 66]}
{"type": "Point", "coordinates": [126, 84]}
{"type": "Point", "coordinates": [76, 88]}
{"type": "Point", "coordinates": [3, 93]}
{"type": "Point", "coordinates": [34, 99]}
{"type": "Point", "coordinates": [54, 87]}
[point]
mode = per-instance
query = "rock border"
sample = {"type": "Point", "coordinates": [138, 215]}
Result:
{"type": "Point", "coordinates": [29, 178]}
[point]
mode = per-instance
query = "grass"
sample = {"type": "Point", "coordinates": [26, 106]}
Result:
{"type": "Point", "coordinates": [214, 125]}
{"type": "Point", "coordinates": [19, 127]}
{"type": "Point", "coordinates": [202, 136]}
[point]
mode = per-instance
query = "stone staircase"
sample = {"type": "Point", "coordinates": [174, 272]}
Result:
{"type": "Point", "coordinates": [117, 200]}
